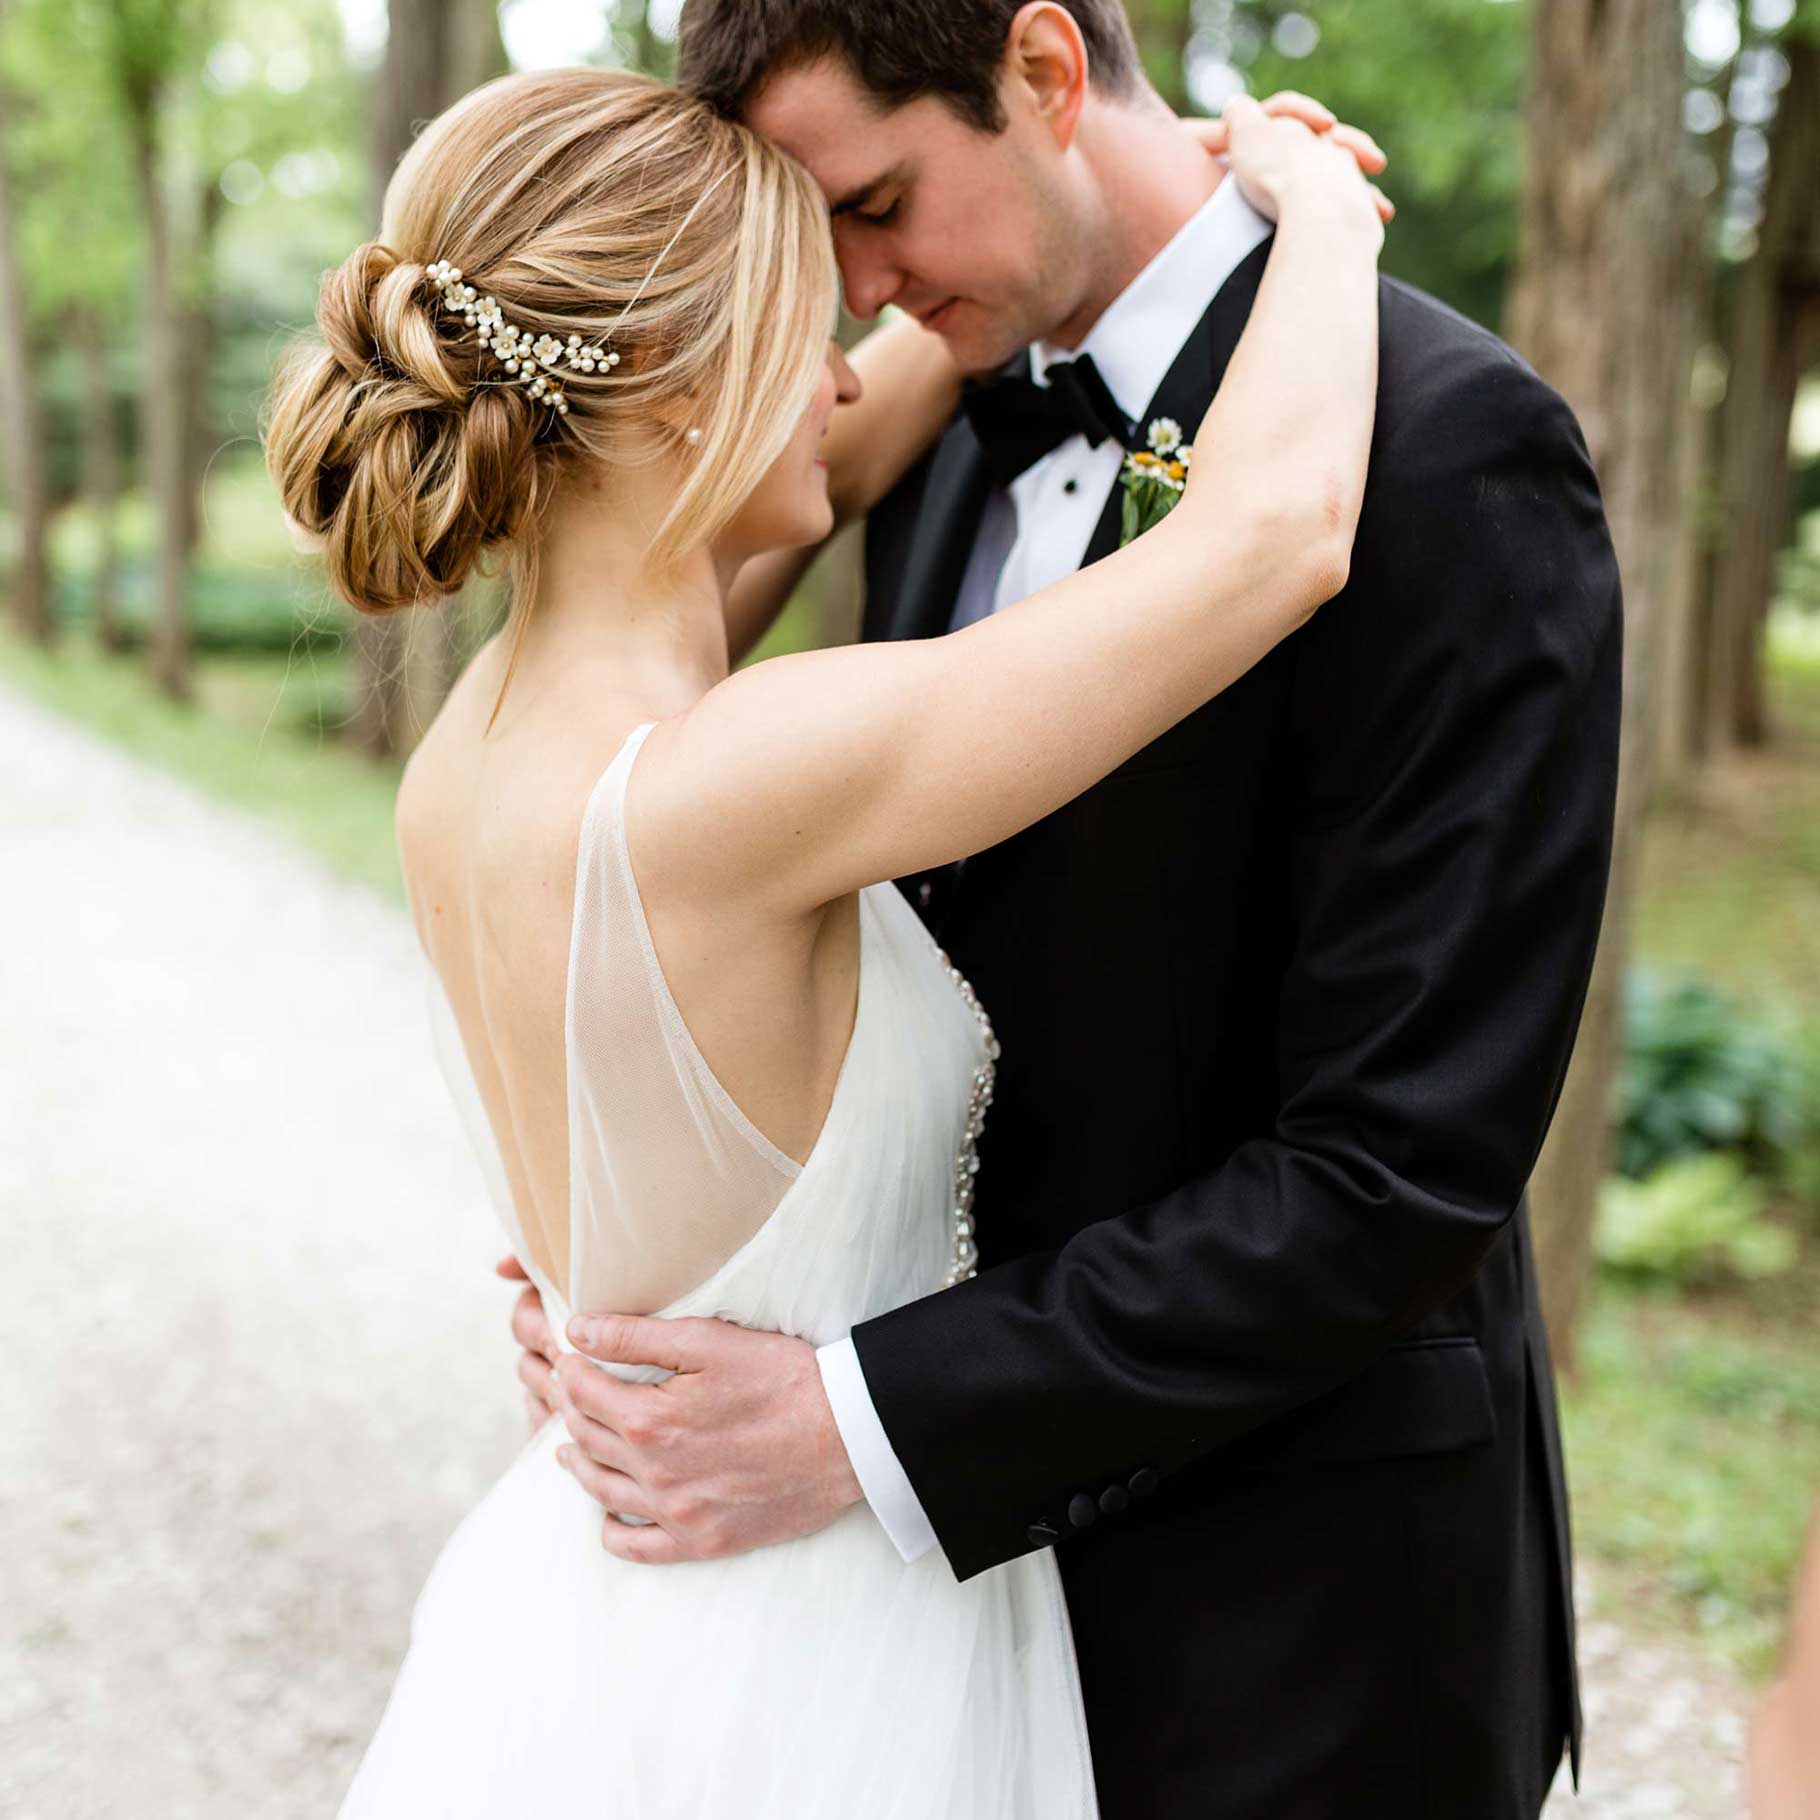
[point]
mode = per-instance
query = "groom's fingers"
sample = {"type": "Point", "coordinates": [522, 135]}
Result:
{"type": "Point", "coordinates": [538, 1377]}
{"type": "Point", "coordinates": [531, 1326]}
{"type": "Point", "coordinates": [637, 1339]}
{"type": "Point", "coordinates": [609, 1489]}
{"type": "Point", "coordinates": [597, 1442]}
{"type": "Point", "coordinates": [633, 1411]}
{"type": "Point", "coordinates": [642, 1542]}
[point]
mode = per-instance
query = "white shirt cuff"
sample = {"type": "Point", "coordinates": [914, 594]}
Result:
{"type": "Point", "coordinates": [875, 1463]}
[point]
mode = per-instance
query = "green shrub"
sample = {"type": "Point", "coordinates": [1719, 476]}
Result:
{"type": "Point", "coordinates": [230, 610]}
{"type": "Point", "coordinates": [1696, 1219]}
{"type": "Point", "coordinates": [1700, 1076]}
{"type": "Point", "coordinates": [1803, 1166]}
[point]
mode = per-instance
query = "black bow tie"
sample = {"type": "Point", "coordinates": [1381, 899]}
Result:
{"type": "Point", "coordinates": [1018, 421]}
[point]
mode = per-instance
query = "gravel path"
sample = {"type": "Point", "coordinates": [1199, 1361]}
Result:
{"type": "Point", "coordinates": [255, 1364]}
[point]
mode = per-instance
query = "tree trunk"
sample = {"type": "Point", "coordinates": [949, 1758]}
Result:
{"type": "Point", "coordinates": [101, 478]}
{"type": "Point", "coordinates": [165, 438]}
{"type": "Point", "coordinates": [1601, 305]}
{"type": "Point", "coordinates": [477, 52]}
{"type": "Point", "coordinates": [199, 339]}
{"type": "Point", "coordinates": [1766, 366]}
{"type": "Point", "coordinates": [27, 467]}
{"type": "Point", "coordinates": [400, 673]}
{"type": "Point", "coordinates": [1681, 720]}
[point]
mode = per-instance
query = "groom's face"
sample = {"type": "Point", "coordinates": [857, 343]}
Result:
{"type": "Point", "coordinates": [973, 233]}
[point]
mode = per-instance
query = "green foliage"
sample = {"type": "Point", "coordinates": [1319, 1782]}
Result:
{"type": "Point", "coordinates": [1439, 85]}
{"type": "Point", "coordinates": [1693, 1447]}
{"type": "Point", "coordinates": [1695, 1219]}
{"type": "Point", "coordinates": [1803, 1166]}
{"type": "Point", "coordinates": [1699, 1076]}
{"type": "Point", "coordinates": [229, 611]}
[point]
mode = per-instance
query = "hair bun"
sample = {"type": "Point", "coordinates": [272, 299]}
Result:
{"type": "Point", "coordinates": [384, 448]}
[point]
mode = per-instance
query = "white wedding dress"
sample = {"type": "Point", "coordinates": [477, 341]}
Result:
{"type": "Point", "coordinates": [822, 1679]}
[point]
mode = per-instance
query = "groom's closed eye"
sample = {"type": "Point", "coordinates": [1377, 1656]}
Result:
{"type": "Point", "coordinates": [862, 202]}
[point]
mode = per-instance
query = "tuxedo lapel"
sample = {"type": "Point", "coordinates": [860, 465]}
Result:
{"type": "Point", "coordinates": [1189, 385]}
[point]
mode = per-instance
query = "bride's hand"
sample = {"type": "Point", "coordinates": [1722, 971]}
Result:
{"type": "Point", "coordinates": [1276, 158]}
{"type": "Point", "coordinates": [1216, 138]}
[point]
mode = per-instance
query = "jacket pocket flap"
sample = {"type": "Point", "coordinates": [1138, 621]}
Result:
{"type": "Point", "coordinates": [1426, 1396]}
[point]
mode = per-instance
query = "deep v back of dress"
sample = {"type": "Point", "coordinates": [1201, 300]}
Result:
{"type": "Point", "coordinates": [823, 1679]}
{"type": "Point", "coordinates": [670, 1183]}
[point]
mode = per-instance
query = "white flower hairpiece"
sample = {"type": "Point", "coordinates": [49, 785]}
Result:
{"type": "Point", "coordinates": [532, 363]}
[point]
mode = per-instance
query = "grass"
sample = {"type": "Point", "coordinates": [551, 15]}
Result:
{"type": "Point", "coordinates": [1693, 1445]}
{"type": "Point", "coordinates": [251, 738]}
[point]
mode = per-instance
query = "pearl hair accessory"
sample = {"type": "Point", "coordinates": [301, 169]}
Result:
{"type": "Point", "coordinates": [692, 435]}
{"type": "Point", "coordinates": [532, 363]}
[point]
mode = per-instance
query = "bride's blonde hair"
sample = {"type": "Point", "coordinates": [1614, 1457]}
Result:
{"type": "Point", "coordinates": [589, 202]}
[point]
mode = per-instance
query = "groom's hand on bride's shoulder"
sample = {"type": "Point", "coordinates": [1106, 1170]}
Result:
{"type": "Point", "coordinates": [736, 1450]}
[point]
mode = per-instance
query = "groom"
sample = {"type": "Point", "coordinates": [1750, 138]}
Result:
{"type": "Point", "coordinates": [1285, 1001]}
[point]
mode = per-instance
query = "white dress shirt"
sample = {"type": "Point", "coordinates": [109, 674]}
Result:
{"type": "Point", "coordinates": [1030, 535]}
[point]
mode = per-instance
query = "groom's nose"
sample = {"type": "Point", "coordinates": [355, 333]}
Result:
{"type": "Point", "coordinates": [869, 278]}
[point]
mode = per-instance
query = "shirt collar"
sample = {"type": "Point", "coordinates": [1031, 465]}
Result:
{"type": "Point", "coordinates": [1139, 334]}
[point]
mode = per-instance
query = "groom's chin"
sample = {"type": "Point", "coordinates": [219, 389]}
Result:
{"type": "Point", "coordinates": [979, 344]}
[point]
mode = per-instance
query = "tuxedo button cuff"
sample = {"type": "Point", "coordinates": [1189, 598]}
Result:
{"type": "Point", "coordinates": [1143, 1481]}
{"type": "Point", "coordinates": [1042, 1535]}
{"type": "Point", "coordinates": [1083, 1512]}
{"type": "Point", "coordinates": [1114, 1499]}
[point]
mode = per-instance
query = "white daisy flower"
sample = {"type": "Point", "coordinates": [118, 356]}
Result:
{"type": "Point", "coordinates": [1164, 435]}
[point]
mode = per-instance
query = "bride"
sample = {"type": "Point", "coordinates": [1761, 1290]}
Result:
{"type": "Point", "coordinates": [713, 1062]}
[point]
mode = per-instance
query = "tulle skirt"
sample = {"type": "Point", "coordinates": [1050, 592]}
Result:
{"type": "Point", "coordinates": [823, 1679]}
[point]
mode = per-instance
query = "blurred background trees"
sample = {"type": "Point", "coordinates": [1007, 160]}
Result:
{"type": "Point", "coordinates": [1628, 190]}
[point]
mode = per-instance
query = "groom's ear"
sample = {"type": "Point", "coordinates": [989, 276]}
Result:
{"type": "Point", "coordinates": [1045, 73]}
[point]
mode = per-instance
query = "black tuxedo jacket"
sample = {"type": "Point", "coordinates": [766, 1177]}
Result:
{"type": "Point", "coordinates": [1286, 1002]}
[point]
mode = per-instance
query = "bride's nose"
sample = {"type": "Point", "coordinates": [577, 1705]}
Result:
{"type": "Point", "coordinates": [847, 387]}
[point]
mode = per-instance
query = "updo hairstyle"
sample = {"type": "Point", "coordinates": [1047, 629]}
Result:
{"type": "Point", "coordinates": [587, 202]}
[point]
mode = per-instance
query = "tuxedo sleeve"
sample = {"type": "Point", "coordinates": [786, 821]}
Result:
{"type": "Point", "coordinates": [1452, 747]}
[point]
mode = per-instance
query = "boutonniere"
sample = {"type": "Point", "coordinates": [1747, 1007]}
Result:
{"type": "Point", "coordinates": [1153, 478]}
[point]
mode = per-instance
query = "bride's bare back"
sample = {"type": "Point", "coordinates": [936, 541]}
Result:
{"type": "Point", "coordinates": [490, 831]}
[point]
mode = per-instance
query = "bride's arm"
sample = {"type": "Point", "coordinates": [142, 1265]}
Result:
{"type": "Point", "coordinates": [799, 780]}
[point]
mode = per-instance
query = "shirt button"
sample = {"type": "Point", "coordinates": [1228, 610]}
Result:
{"type": "Point", "coordinates": [1143, 1481]}
{"type": "Point", "coordinates": [1083, 1512]}
{"type": "Point", "coordinates": [1114, 1499]}
{"type": "Point", "coordinates": [1068, 486]}
{"type": "Point", "coordinates": [924, 892]}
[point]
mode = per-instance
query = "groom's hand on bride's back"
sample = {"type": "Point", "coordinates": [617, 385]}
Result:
{"type": "Point", "coordinates": [736, 1450]}
{"type": "Point", "coordinates": [532, 1332]}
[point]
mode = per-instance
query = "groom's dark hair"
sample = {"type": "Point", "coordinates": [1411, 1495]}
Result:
{"type": "Point", "coordinates": [898, 49]}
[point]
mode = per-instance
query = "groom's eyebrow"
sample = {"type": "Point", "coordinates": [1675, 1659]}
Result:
{"type": "Point", "coordinates": [858, 198]}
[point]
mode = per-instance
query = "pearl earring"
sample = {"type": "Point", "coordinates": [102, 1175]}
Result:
{"type": "Point", "coordinates": [692, 435]}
